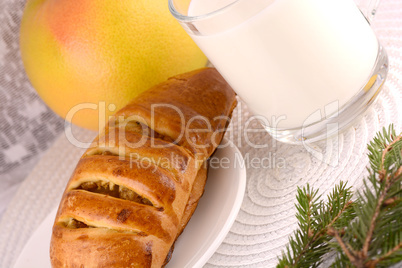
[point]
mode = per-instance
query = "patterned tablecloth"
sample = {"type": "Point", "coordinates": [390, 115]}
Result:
{"type": "Point", "coordinates": [32, 141]}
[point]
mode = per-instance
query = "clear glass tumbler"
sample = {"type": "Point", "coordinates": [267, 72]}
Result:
{"type": "Point", "coordinates": [301, 66]}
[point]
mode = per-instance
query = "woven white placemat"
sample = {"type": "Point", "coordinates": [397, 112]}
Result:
{"type": "Point", "coordinates": [266, 218]}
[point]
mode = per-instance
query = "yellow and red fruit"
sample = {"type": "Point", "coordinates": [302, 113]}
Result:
{"type": "Point", "coordinates": [101, 51]}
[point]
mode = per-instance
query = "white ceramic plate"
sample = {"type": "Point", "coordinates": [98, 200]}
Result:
{"type": "Point", "coordinates": [215, 214]}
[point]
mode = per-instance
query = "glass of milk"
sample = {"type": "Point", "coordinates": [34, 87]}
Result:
{"type": "Point", "coordinates": [307, 68]}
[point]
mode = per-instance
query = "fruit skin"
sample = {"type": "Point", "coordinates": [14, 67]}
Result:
{"type": "Point", "coordinates": [101, 52]}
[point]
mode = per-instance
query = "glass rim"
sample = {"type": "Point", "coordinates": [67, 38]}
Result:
{"type": "Point", "coordinates": [185, 18]}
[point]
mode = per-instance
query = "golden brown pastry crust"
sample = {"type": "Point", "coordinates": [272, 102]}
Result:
{"type": "Point", "coordinates": [205, 102]}
{"type": "Point", "coordinates": [134, 190]}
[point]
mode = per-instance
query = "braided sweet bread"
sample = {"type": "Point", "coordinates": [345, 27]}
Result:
{"type": "Point", "coordinates": [134, 190]}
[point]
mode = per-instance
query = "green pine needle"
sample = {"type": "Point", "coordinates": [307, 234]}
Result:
{"type": "Point", "coordinates": [310, 241]}
{"type": "Point", "coordinates": [364, 233]}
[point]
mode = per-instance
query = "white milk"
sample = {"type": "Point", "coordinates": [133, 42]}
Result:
{"type": "Point", "coordinates": [293, 57]}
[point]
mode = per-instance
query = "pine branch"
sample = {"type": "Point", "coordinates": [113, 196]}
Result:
{"type": "Point", "coordinates": [387, 255]}
{"type": "Point", "coordinates": [366, 232]}
{"type": "Point", "coordinates": [316, 218]}
{"type": "Point", "coordinates": [346, 248]}
{"type": "Point", "coordinates": [378, 208]}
